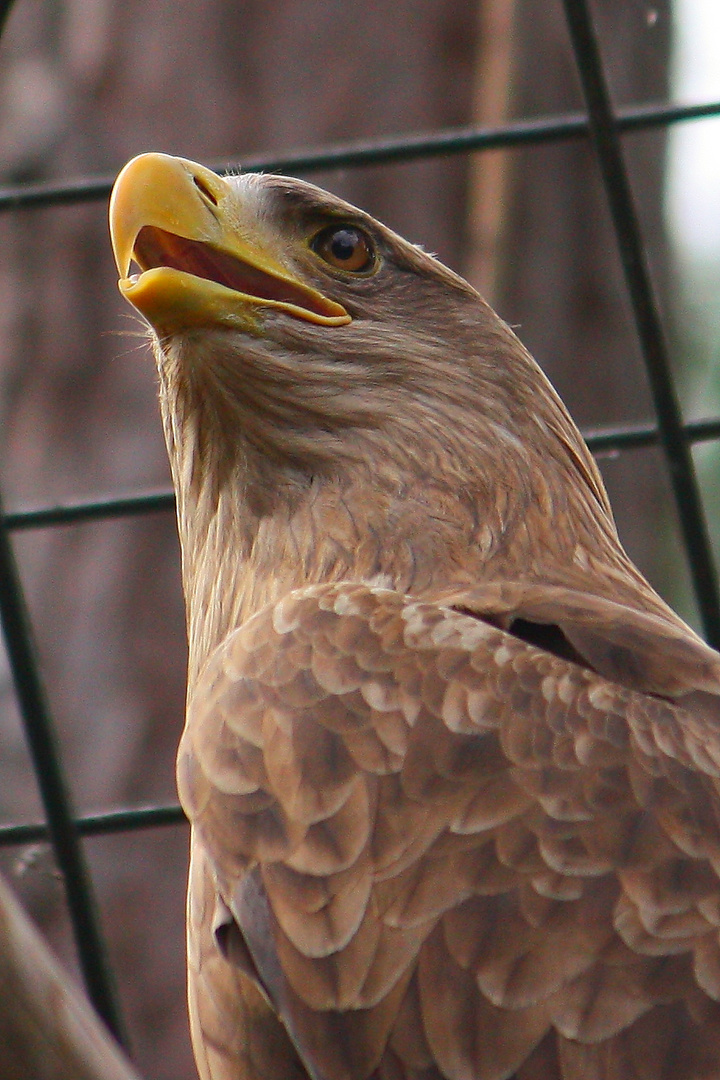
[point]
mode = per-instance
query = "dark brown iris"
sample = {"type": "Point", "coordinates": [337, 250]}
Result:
{"type": "Point", "coordinates": [345, 247]}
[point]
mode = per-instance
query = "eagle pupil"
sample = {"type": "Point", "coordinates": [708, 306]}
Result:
{"type": "Point", "coordinates": [344, 244]}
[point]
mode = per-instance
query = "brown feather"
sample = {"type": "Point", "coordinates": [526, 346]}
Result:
{"type": "Point", "coordinates": [452, 766]}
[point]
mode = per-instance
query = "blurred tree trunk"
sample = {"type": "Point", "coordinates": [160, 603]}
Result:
{"type": "Point", "coordinates": [541, 244]}
{"type": "Point", "coordinates": [86, 84]}
{"type": "Point", "coordinates": [47, 1031]}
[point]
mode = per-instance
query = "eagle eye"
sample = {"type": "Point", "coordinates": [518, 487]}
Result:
{"type": "Point", "coordinates": [345, 247]}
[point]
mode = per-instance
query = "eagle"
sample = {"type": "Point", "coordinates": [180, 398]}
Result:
{"type": "Point", "coordinates": [451, 765]}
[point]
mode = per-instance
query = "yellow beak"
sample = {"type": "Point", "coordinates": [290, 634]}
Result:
{"type": "Point", "coordinates": [171, 217]}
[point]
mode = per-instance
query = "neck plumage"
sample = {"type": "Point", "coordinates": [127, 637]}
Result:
{"type": "Point", "coordinates": [419, 520]}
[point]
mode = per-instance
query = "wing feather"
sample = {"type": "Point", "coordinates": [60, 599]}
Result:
{"type": "Point", "coordinates": [469, 857]}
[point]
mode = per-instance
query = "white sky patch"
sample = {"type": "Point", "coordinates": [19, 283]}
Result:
{"type": "Point", "coordinates": [694, 176]}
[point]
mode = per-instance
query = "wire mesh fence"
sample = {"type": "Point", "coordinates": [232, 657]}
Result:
{"type": "Point", "coordinates": [63, 828]}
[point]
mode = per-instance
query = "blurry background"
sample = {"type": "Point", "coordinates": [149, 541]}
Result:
{"type": "Point", "coordinates": [86, 84]}
{"type": "Point", "coordinates": [693, 218]}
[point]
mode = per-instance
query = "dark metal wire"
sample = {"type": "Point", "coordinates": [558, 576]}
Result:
{"type": "Point", "coordinates": [647, 318]}
{"type": "Point", "coordinates": [600, 440]}
{"type": "Point", "coordinates": [103, 508]}
{"type": "Point", "coordinates": [381, 151]}
{"type": "Point", "coordinates": [62, 828]}
{"type": "Point", "coordinates": [113, 821]}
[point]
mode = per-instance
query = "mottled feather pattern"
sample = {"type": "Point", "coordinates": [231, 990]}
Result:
{"type": "Point", "coordinates": [451, 764]}
{"type": "Point", "coordinates": [428, 800]}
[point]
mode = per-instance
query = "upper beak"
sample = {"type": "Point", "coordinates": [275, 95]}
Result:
{"type": "Point", "coordinates": [170, 216]}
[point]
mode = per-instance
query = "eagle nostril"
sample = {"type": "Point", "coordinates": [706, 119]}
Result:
{"type": "Point", "coordinates": [205, 190]}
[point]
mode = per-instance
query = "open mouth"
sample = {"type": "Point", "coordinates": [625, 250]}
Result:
{"type": "Point", "coordinates": [155, 247]}
{"type": "Point", "coordinates": [174, 220]}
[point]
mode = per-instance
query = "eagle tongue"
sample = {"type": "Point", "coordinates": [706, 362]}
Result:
{"type": "Point", "coordinates": [157, 247]}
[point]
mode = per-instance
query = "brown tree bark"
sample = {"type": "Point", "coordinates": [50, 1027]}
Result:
{"type": "Point", "coordinates": [47, 1029]}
